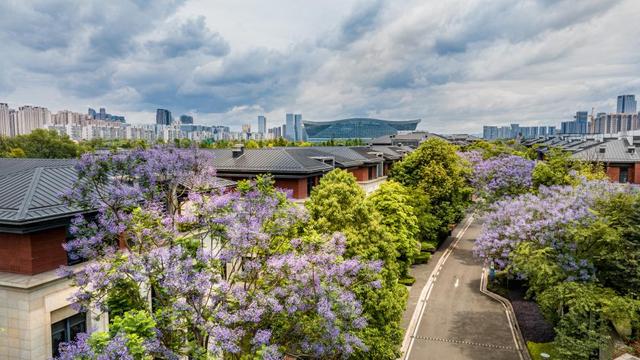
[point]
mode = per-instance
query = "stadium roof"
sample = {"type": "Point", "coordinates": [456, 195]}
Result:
{"type": "Point", "coordinates": [354, 128]}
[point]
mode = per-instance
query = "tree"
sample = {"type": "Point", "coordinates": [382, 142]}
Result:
{"type": "Point", "coordinates": [500, 176]}
{"type": "Point", "coordinates": [559, 168]}
{"type": "Point", "coordinates": [437, 171]}
{"type": "Point", "coordinates": [338, 204]}
{"type": "Point", "coordinates": [39, 143]}
{"type": "Point", "coordinates": [230, 274]}
{"type": "Point", "coordinates": [393, 202]}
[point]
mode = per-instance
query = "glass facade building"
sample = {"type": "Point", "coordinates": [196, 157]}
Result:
{"type": "Point", "coordinates": [356, 128]}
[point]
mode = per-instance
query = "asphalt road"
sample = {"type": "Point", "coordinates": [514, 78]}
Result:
{"type": "Point", "coordinates": [458, 321]}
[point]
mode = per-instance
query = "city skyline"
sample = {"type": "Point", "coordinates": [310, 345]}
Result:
{"type": "Point", "coordinates": [217, 62]}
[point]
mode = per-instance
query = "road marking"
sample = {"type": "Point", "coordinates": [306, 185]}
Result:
{"type": "Point", "coordinates": [457, 282]}
{"type": "Point", "coordinates": [464, 342]}
{"type": "Point", "coordinates": [412, 329]}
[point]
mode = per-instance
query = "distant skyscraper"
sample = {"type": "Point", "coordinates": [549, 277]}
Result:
{"type": "Point", "coordinates": [246, 128]}
{"type": "Point", "coordinates": [163, 117]}
{"type": "Point", "coordinates": [262, 124]}
{"type": "Point", "coordinates": [290, 129]}
{"type": "Point", "coordinates": [299, 128]}
{"type": "Point", "coordinates": [103, 114]}
{"type": "Point", "coordinates": [626, 104]}
{"type": "Point", "coordinates": [29, 118]}
{"type": "Point", "coordinates": [92, 113]}
{"type": "Point", "coordinates": [186, 119]}
{"type": "Point", "coordinates": [5, 121]}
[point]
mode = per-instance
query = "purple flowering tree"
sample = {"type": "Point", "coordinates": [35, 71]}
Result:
{"type": "Point", "coordinates": [223, 274]}
{"type": "Point", "coordinates": [497, 177]}
{"type": "Point", "coordinates": [543, 218]}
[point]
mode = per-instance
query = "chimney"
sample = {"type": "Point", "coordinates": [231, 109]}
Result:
{"type": "Point", "coordinates": [237, 151]}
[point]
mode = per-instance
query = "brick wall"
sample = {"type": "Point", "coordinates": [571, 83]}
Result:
{"type": "Point", "coordinates": [613, 173]}
{"type": "Point", "coordinates": [32, 253]}
{"type": "Point", "coordinates": [298, 186]}
{"type": "Point", "coordinates": [361, 173]}
{"type": "Point", "coordinates": [636, 173]}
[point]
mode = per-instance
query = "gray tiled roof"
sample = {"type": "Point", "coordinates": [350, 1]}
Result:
{"type": "Point", "coordinates": [30, 189]}
{"type": "Point", "coordinates": [614, 151]}
{"type": "Point", "coordinates": [267, 160]}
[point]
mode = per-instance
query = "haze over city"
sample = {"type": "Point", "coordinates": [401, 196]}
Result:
{"type": "Point", "coordinates": [456, 65]}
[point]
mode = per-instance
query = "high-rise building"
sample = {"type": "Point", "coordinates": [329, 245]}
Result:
{"type": "Point", "coordinates": [5, 121]}
{"type": "Point", "coordinates": [102, 114]}
{"type": "Point", "coordinates": [186, 119]}
{"type": "Point", "coordinates": [299, 127]}
{"type": "Point", "coordinates": [290, 129]}
{"type": "Point", "coordinates": [163, 117]}
{"type": "Point", "coordinates": [626, 104]}
{"type": "Point", "coordinates": [29, 118]}
{"type": "Point", "coordinates": [262, 124]}
{"type": "Point", "coordinates": [246, 128]}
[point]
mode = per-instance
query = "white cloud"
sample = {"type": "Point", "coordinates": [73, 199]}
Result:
{"type": "Point", "coordinates": [456, 64]}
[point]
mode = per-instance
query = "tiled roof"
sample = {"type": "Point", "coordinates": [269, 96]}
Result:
{"type": "Point", "coordinates": [267, 160]}
{"type": "Point", "coordinates": [30, 189]}
{"type": "Point", "coordinates": [614, 151]}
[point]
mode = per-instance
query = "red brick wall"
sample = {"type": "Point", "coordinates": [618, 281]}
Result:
{"type": "Point", "coordinates": [636, 173]}
{"type": "Point", "coordinates": [361, 173]}
{"type": "Point", "coordinates": [298, 186]}
{"type": "Point", "coordinates": [613, 173]}
{"type": "Point", "coordinates": [32, 253]}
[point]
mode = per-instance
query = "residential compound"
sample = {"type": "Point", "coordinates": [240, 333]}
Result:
{"type": "Point", "coordinates": [35, 313]}
{"type": "Point", "coordinates": [619, 156]}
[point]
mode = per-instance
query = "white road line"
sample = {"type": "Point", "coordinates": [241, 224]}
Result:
{"type": "Point", "coordinates": [456, 283]}
{"type": "Point", "coordinates": [412, 329]}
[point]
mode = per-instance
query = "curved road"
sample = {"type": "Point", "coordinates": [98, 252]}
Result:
{"type": "Point", "coordinates": [457, 321]}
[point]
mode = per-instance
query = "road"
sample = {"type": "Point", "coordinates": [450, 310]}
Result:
{"type": "Point", "coordinates": [457, 321]}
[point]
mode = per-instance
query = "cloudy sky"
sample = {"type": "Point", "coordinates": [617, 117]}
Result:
{"type": "Point", "coordinates": [456, 64]}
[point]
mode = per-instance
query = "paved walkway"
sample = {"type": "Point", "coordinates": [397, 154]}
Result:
{"type": "Point", "coordinates": [457, 321]}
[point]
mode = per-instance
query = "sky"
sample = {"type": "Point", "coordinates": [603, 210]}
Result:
{"type": "Point", "coordinates": [455, 64]}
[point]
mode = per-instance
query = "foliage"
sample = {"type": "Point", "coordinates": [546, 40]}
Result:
{"type": "Point", "coordinates": [541, 218]}
{"type": "Point", "coordinates": [536, 349]}
{"type": "Point", "coordinates": [337, 203]}
{"type": "Point", "coordinates": [230, 273]}
{"type": "Point", "coordinates": [39, 143]}
{"type": "Point", "coordinates": [435, 172]}
{"type": "Point", "coordinates": [560, 169]}
{"type": "Point", "coordinates": [490, 149]}
{"type": "Point", "coordinates": [392, 201]}
{"type": "Point", "coordinates": [501, 176]}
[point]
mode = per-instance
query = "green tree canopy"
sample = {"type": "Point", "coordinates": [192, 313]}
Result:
{"type": "Point", "coordinates": [40, 143]}
{"type": "Point", "coordinates": [338, 204]}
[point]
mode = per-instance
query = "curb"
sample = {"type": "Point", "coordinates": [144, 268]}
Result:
{"type": "Point", "coordinates": [412, 327]}
{"type": "Point", "coordinates": [521, 345]}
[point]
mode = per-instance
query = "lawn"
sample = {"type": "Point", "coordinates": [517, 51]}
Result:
{"type": "Point", "coordinates": [535, 349]}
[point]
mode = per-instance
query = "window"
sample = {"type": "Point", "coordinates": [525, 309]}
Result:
{"type": "Point", "coordinates": [624, 175]}
{"type": "Point", "coordinates": [66, 330]}
{"type": "Point", "coordinates": [311, 182]}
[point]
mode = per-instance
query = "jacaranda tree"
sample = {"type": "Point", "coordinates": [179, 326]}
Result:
{"type": "Point", "coordinates": [500, 176]}
{"type": "Point", "coordinates": [223, 274]}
